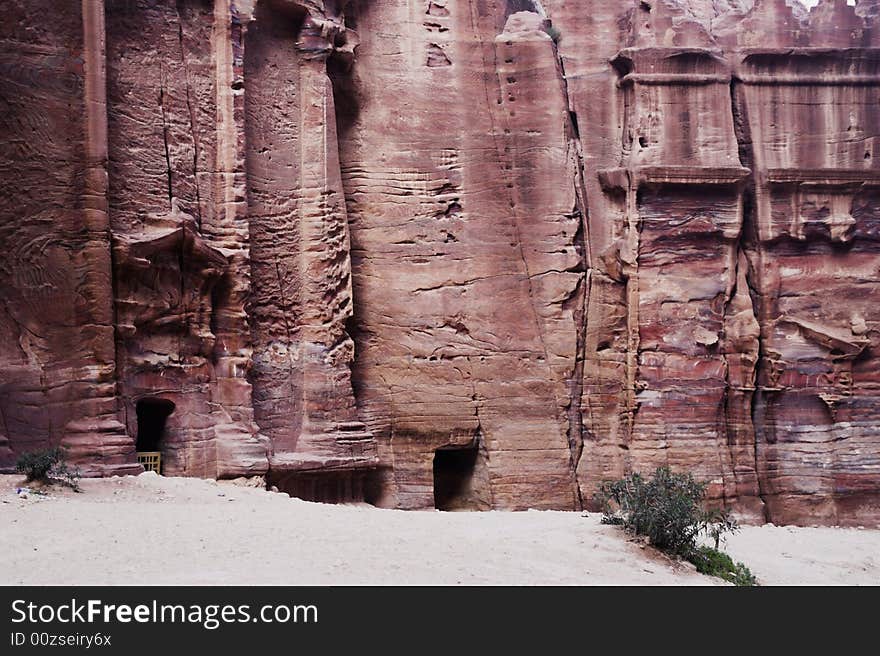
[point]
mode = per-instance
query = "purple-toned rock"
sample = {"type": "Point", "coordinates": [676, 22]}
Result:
{"type": "Point", "coordinates": [463, 255]}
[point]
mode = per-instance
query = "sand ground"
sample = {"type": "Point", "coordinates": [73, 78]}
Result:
{"type": "Point", "coordinates": [154, 530]}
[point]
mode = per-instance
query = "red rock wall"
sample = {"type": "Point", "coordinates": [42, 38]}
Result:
{"type": "Point", "coordinates": [479, 254]}
{"type": "Point", "coordinates": [812, 126]}
{"type": "Point", "coordinates": [59, 376]}
{"type": "Point", "coordinates": [696, 359]}
{"type": "Point", "coordinates": [464, 255]}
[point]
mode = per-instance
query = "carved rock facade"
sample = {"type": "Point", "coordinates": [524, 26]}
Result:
{"type": "Point", "coordinates": [457, 254]}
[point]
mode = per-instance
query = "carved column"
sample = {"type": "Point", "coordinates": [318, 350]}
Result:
{"type": "Point", "coordinates": [331, 436]}
{"type": "Point", "coordinates": [96, 439]}
{"type": "Point", "coordinates": [241, 450]}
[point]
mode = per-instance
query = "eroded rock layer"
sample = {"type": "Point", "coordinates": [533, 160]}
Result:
{"type": "Point", "coordinates": [449, 253]}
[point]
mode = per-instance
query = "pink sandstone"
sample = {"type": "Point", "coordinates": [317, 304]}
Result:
{"type": "Point", "coordinates": [464, 254]}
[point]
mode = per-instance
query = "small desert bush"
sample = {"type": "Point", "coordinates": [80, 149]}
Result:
{"type": "Point", "coordinates": [49, 466]}
{"type": "Point", "coordinates": [713, 562]}
{"type": "Point", "coordinates": [667, 509]}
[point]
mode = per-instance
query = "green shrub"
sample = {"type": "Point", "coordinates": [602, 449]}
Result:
{"type": "Point", "coordinates": [47, 465]}
{"type": "Point", "coordinates": [667, 508]}
{"type": "Point", "coordinates": [709, 560]}
{"type": "Point", "coordinates": [36, 465]}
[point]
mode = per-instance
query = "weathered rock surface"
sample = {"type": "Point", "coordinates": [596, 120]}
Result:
{"type": "Point", "coordinates": [449, 253]}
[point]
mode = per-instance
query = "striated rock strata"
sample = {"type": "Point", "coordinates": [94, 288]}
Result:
{"type": "Point", "coordinates": [448, 253]}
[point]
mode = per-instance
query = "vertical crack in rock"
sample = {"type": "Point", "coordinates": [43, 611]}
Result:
{"type": "Point", "coordinates": [580, 299]}
{"type": "Point", "coordinates": [177, 356]}
{"type": "Point", "coordinates": [745, 334]}
{"type": "Point", "coordinates": [165, 134]}
{"type": "Point", "coordinates": [757, 404]}
{"type": "Point", "coordinates": [193, 130]}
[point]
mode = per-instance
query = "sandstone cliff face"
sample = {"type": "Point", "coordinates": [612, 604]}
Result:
{"type": "Point", "coordinates": [719, 354]}
{"type": "Point", "coordinates": [467, 254]}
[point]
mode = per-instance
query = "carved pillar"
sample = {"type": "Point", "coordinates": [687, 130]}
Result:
{"type": "Point", "coordinates": [96, 440]}
{"type": "Point", "coordinates": [330, 436]}
{"type": "Point", "coordinates": [241, 450]}
{"type": "Point", "coordinates": [329, 408]}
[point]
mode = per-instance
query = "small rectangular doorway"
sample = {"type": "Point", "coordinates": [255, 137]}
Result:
{"type": "Point", "coordinates": [461, 480]}
{"type": "Point", "coordinates": [152, 415]}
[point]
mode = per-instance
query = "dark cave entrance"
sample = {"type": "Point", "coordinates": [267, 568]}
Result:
{"type": "Point", "coordinates": [151, 417]}
{"type": "Point", "coordinates": [460, 478]}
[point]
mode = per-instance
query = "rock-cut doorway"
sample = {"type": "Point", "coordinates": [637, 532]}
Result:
{"type": "Point", "coordinates": [461, 478]}
{"type": "Point", "coordinates": [152, 416]}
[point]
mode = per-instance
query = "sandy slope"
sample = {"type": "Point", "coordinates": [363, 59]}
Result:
{"type": "Point", "coordinates": [148, 529]}
{"type": "Point", "coordinates": [790, 555]}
